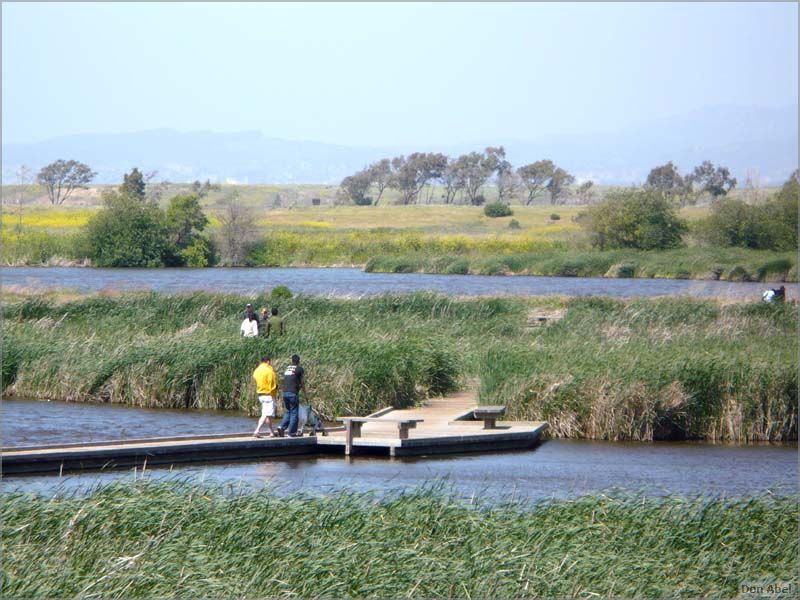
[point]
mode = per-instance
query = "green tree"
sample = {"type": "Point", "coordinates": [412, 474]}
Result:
{"type": "Point", "coordinates": [356, 186]}
{"type": "Point", "coordinates": [472, 171]}
{"type": "Point", "coordinates": [559, 184]}
{"type": "Point", "coordinates": [535, 177]}
{"type": "Point", "coordinates": [411, 174]}
{"type": "Point", "coordinates": [667, 180]}
{"type": "Point", "coordinates": [585, 191]}
{"type": "Point", "coordinates": [62, 177]}
{"type": "Point", "coordinates": [127, 233]}
{"type": "Point", "coordinates": [642, 219]}
{"type": "Point", "coordinates": [380, 176]}
{"type": "Point", "coordinates": [133, 184]}
{"type": "Point", "coordinates": [783, 213]}
{"type": "Point", "coordinates": [733, 222]}
{"type": "Point", "coordinates": [716, 181]}
{"type": "Point", "coordinates": [185, 220]}
{"type": "Point", "coordinates": [201, 190]}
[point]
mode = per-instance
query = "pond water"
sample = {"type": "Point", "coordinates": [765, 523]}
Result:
{"type": "Point", "coordinates": [555, 469]}
{"type": "Point", "coordinates": [354, 282]}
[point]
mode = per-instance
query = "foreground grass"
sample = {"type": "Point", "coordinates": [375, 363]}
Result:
{"type": "Point", "coordinates": [618, 370]}
{"type": "Point", "coordinates": [167, 541]}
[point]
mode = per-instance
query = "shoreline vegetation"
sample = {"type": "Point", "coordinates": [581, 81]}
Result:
{"type": "Point", "coordinates": [641, 369]}
{"type": "Point", "coordinates": [388, 251]}
{"type": "Point", "coordinates": [274, 226]}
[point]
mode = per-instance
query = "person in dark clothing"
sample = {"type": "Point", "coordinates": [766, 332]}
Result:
{"type": "Point", "coordinates": [275, 324]}
{"type": "Point", "coordinates": [250, 313]}
{"type": "Point", "coordinates": [294, 382]}
{"type": "Point", "coordinates": [780, 294]}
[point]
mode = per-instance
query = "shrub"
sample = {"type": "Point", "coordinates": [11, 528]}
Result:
{"type": "Point", "coordinates": [497, 209]}
{"type": "Point", "coordinates": [479, 200]}
{"type": "Point", "coordinates": [622, 271]}
{"type": "Point", "coordinates": [200, 253]}
{"type": "Point", "coordinates": [641, 219]}
{"type": "Point", "coordinates": [280, 292]}
{"type": "Point", "coordinates": [779, 267]}
{"type": "Point", "coordinates": [514, 224]}
{"type": "Point", "coordinates": [771, 226]}
{"type": "Point", "coordinates": [555, 217]}
{"type": "Point", "coordinates": [739, 273]}
{"type": "Point", "coordinates": [128, 232]}
{"type": "Point", "coordinates": [363, 201]}
{"type": "Point", "coordinates": [458, 267]}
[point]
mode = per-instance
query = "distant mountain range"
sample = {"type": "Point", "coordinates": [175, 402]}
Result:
{"type": "Point", "coordinates": [747, 140]}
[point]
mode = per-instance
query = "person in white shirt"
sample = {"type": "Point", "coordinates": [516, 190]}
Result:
{"type": "Point", "coordinates": [249, 326]}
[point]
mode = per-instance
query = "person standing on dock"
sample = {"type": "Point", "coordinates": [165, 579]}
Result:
{"type": "Point", "coordinates": [275, 324]}
{"type": "Point", "coordinates": [293, 382]}
{"type": "Point", "coordinates": [267, 389]}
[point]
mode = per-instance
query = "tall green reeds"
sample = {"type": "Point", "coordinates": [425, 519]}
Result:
{"type": "Point", "coordinates": [148, 540]}
{"type": "Point", "coordinates": [618, 370]}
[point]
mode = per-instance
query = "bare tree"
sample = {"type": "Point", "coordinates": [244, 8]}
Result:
{"type": "Point", "coordinates": [753, 192]}
{"type": "Point", "coordinates": [155, 191]}
{"type": "Point", "coordinates": [507, 184]}
{"type": "Point", "coordinates": [23, 178]}
{"type": "Point", "coordinates": [237, 230]}
{"type": "Point", "coordinates": [62, 177]}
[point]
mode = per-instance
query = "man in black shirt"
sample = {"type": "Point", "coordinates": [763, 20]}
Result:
{"type": "Point", "coordinates": [293, 383]}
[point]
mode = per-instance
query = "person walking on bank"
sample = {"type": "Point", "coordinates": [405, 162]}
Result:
{"type": "Point", "coordinates": [294, 382]}
{"type": "Point", "coordinates": [275, 324]}
{"type": "Point", "coordinates": [249, 326]}
{"type": "Point", "coordinates": [266, 389]}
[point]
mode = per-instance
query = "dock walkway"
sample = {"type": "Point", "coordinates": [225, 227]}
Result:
{"type": "Point", "coordinates": [447, 426]}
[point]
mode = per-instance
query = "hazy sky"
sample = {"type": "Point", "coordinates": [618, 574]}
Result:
{"type": "Point", "coordinates": [384, 74]}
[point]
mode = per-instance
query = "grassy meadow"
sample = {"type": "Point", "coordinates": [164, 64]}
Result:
{"type": "Point", "coordinates": [429, 238]}
{"type": "Point", "coordinates": [145, 540]}
{"type": "Point", "coordinates": [608, 369]}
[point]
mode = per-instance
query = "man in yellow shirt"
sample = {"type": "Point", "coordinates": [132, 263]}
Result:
{"type": "Point", "coordinates": [266, 388]}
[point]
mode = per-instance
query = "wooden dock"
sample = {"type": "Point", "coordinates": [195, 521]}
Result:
{"type": "Point", "coordinates": [445, 426]}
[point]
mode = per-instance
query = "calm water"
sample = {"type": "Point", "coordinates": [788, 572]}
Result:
{"type": "Point", "coordinates": [354, 282]}
{"type": "Point", "coordinates": [556, 469]}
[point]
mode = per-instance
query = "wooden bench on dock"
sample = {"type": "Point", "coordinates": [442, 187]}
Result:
{"type": "Point", "coordinates": [489, 414]}
{"type": "Point", "coordinates": [353, 427]}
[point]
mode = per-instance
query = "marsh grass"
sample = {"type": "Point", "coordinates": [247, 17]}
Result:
{"type": "Point", "coordinates": [639, 369]}
{"type": "Point", "coordinates": [150, 540]}
{"type": "Point", "coordinates": [557, 259]}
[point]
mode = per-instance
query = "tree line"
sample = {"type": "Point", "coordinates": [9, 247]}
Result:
{"type": "Point", "coordinates": [461, 178]}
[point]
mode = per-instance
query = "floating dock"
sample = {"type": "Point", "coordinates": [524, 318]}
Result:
{"type": "Point", "coordinates": [441, 426]}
